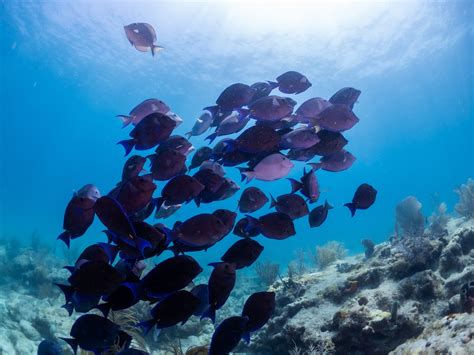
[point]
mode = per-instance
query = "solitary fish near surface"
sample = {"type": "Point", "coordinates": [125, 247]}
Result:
{"type": "Point", "coordinates": [142, 36]}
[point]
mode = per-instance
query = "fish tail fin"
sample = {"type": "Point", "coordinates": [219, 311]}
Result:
{"type": "Point", "coordinates": [141, 245]}
{"type": "Point", "coordinates": [110, 236]}
{"type": "Point", "coordinates": [188, 134]}
{"type": "Point", "coordinates": [146, 325]}
{"type": "Point", "coordinates": [110, 250]}
{"type": "Point", "coordinates": [315, 166]}
{"type": "Point", "coordinates": [128, 145]}
{"type": "Point", "coordinates": [211, 137]}
{"type": "Point", "coordinates": [69, 307]}
{"type": "Point", "coordinates": [158, 202]}
{"type": "Point", "coordinates": [352, 207]}
{"type": "Point", "coordinates": [104, 308]}
{"type": "Point", "coordinates": [246, 175]}
{"type": "Point", "coordinates": [66, 238]}
{"type": "Point", "coordinates": [126, 120]}
{"type": "Point", "coordinates": [210, 313]}
{"type": "Point", "coordinates": [295, 185]}
{"type": "Point", "coordinates": [328, 205]}
{"type": "Point", "coordinates": [273, 84]}
{"type": "Point", "coordinates": [72, 343]}
{"type": "Point", "coordinates": [155, 49]}
{"type": "Point", "coordinates": [273, 202]}
{"type": "Point", "coordinates": [197, 201]}
{"type": "Point", "coordinates": [69, 268]}
{"type": "Point", "coordinates": [67, 290]}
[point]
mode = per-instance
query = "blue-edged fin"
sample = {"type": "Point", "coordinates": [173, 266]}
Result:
{"type": "Point", "coordinates": [246, 337]}
{"type": "Point", "coordinates": [352, 207]}
{"type": "Point", "coordinates": [69, 307]}
{"type": "Point", "coordinates": [158, 202]}
{"type": "Point", "coordinates": [210, 313]}
{"type": "Point", "coordinates": [295, 185]}
{"type": "Point", "coordinates": [65, 237]}
{"type": "Point", "coordinates": [72, 343]}
{"type": "Point", "coordinates": [273, 202]}
{"type": "Point", "coordinates": [212, 137]}
{"type": "Point", "coordinates": [147, 325]}
{"type": "Point", "coordinates": [246, 174]}
{"type": "Point", "coordinates": [128, 145]}
{"type": "Point", "coordinates": [104, 308]}
{"type": "Point", "coordinates": [110, 250]}
{"type": "Point", "coordinates": [67, 290]}
{"type": "Point", "coordinates": [141, 245]}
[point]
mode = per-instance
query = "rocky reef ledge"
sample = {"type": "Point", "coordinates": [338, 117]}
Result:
{"type": "Point", "coordinates": [407, 296]}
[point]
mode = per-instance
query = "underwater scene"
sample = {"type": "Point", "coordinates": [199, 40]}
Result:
{"type": "Point", "coordinates": [237, 177]}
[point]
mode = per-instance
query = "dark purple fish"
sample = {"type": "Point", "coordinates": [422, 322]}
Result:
{"type": "Point", "coordinates": [201, 230]}
{"type": "Point", "coordinates": [337, 118]}
{"type": "Point", "coordinates": [93, 333]}
{"type": "Point", "coordinates": [100, 251]}
{"type": "Point", "coordinates": [243, 253]}
{"type": "Point", "coordinates": [154, 236]}
{"type": "Point", "coordinates": [201, 155]}
{"type": "Point", "coordinates": [308, 186]}
{"type": "Point", "coordinates": [221, 282]}
{"type": "Point", "coordinates": [293, 82]}
{"type": "Point", "coordinates": [126, 295]}
{"type": "Point", "coordinates": [336, 162]}
{"type": "Point", "coordinates": [235, 96]}
{"type": "Point", "coordinates": [180, 189]}
{"type": "Point", "coordinates": [78, 217]}
{"type": "Point", "coordinates": [113, 216]}
{"type": "Point", "coordinates": [134, 194]}
{"type": "Point", "coordinates": [142, 110]}
{"type": "Point", "coordinates": [49, 347]}
{"type": "Point", "coordinates": [309, 110]}
{"type": "Point", "coordinates": [227, 335]}
{"type": "Point", "coordinates": [364, 197]}
{"type": "Point", "coordinates": [225, 191]}
{"type": "Point", "coordinates": [346, 96]}
{"type": "Point", "coordinates": [290, 204]}
{"type": "Point", "coordinates": [233, 123]}
{"type": "Point", "coordinates": [259, 308]}
{"type": "Point", "coordinates": [258, 139]}
{"type": "Point", "coordinates": [92, 278]}
{"type": "Point", "coordinates": [170, 275]}
{"type": "Point", "coordinates": [330, 143]}
{"type": "Point", "coordinates": [214, 166]}
{"type": "Point", "coordinates": [211, 180]}
{"type": "Point", "coordinates": [166, 164]}
{"type": "Point", "coordinates": [173, 309]}
{"type": "Point", "coordinates": [275, 225]}
{"type": "Point", "coordinates": [142, 36]}
{"type": "Point", "coordinates": [271, 108]}
{"type": "Point", "coordinates": [252, 199]}
{"type": "Point", "coordinates": [245, 228]}
{"type": "Point", "coordinates": [178, 143]}
{"type": "Point", "coordinates": [133, 167]}
{"type": "Point", "coordinates": [201, 291]}
{"type": "Point", "coordinates": [262, 89]}
{"type": "Point", "coordinates": [151, 131]}
{"type": "Point", "coordinates": [227, 217]}
{"type": "Point", "coordinates": [318, 215]}
{"type": "Point", "coordinates": [231, 156]}
{"type": "Point", "coordinates": [300, 138]}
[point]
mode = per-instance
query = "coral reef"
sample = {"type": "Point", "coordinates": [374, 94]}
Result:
{"type": "Point", "coordinates": [409, 221]}
{"type": "Point", "coordinates": [397, 296]}
{"type": "Point", "coordinates": [328, 253]}
{"type": "Point", "coordinates": [465, 206]}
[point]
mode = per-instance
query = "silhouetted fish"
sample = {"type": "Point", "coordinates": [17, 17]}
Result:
{"type": "Point", "coordinates": [227, 335]}
{"type": "Point", "coordinates": [293, 82]}
{"type": "Point", "coordinates": [318, 215]}
{"type": "Point", "coordinates": [364, 197]}
{"type": "Point", "coordinates": [142, 36]}
{"type": "Point", "coordinates": [142, 110]}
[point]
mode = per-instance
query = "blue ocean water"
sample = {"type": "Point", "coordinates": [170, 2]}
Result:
{"type": "Point", "coordinates": [67, 70]}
